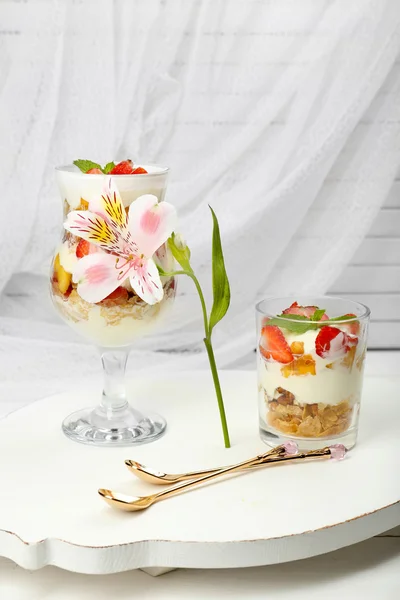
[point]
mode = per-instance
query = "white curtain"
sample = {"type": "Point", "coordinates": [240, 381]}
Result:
{"type": "Point", "coordinates": [283, 115]}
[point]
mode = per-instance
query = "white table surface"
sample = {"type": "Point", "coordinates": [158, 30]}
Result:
{"type": "Point", "coordinates": [368, 570]}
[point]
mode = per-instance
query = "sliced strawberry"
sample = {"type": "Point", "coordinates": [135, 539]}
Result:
{"type": "Point", "coordinates": [273, 345]}
{"type": "Point", "coordinates": [94, 172]}
{"type": "Point", "coordinates": [303, 311]}
{"type": "Point", "coordinates": [82, 249]}
{"type": "Point", "coordinates": [353, 327]}
{"type": "Point", "coordinates": [332, 342]}
{"type": "Point", "coordinates": [118, 296]}
{"type": "Point", "coordinates": [124, 167]}
{"type": "Point", "coordinates": [139, 171]}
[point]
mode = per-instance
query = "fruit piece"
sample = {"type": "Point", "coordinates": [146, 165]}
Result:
{"type": "Point", "coordinates": [139, 171]}
{"type": "Point", "coordinates": [333, 343]}
{"type": "Point", "coordinates": [304, 365]}
{"type": "Point", "coordinates": [353, 327]}
{"type": "Point", "coordinates": [94, 172]}
{"type": "Point", "coordinates": [63, 278]}
{"type": "Point", "coordinates": [304, 311]}
{"type": "Point", "coordinates": [297, 347]}
{"type": "Point", "coordinates": [84, 205]}
{"type": "Point", "coordinates": [347, 361]}
{"type": "Point", "coordinates": [82, 249]}
{"type": "Point", "coordinates": [117, 297]}
{"type": "Point", "coordinates": [125, 167]}
{"type": "Point", "coordinates": [273, 345]}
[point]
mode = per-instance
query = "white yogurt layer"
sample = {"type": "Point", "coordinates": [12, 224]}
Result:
{"type": "Point", "coordinates": [329, 386]}
{"type": "Point", "coordinates": [122, 333]}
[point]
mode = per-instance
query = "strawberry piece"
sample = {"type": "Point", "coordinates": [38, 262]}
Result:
{"type": "Point", "coordinates": [82, 249]}
{"type": "Point", "coordinates": [118, 296]}
{"type": "Point", "coordinates": [273, 345]}
{"type": "Point", "coordinates": [139, 171]}
{"type": "Point", "coordinates": [120, 292]}
{"type": "Point", "coordinates": [332, 342]}
{"type": "Point", "coordinates": [124, 167]}
{"type": "Point", "coordinates": [353, 327]}
{"type": "Point", "coordinates": [304, 311]}
{"type": "Point", "coordinates": [94, 172]}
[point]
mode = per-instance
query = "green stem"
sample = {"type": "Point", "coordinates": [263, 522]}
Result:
{"type": "Point", "coordinates": [210, 352]}
{"type": "Point", "coordinates": [217, 385]}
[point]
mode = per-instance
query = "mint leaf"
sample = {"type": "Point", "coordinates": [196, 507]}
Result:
{"type": "Point", "coordinates": [221, 289]}
{"type": "Point", "coordinates": [318, 314]}
{"type": "Point", "coordinates": [299, 324]}
{"type": "Point", "coordinates": [343, 318]}
{"type": "Point", "coordinates": [108, 167]}
{"type": "Point", "coordinates": [86, 165]}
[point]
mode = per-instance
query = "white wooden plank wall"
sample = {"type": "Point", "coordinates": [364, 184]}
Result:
{"type": "Point", "coordinates": [373, 275]}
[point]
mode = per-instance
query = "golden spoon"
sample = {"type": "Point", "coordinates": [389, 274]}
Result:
{"type": "Point", "coordinates": [158, 478]}
{"type": "Point", "coordinates": [135, 503]}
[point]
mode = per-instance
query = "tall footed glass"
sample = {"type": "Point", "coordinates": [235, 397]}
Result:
{"type": "Point", "coordinates": [105, 285]}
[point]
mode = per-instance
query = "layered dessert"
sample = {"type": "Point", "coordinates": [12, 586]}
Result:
{"type": "Point", "coordinates": [310, 372]}
{"type": "Point", "coordinates": [99, 226]}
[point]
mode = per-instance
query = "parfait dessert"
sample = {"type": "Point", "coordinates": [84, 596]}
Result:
{"type": "Point", "coordinates": [106, 283]}
{"type": "Point", "coordinates": [310, 369]}
{"type": "Point", "coordinates": [118, 317]}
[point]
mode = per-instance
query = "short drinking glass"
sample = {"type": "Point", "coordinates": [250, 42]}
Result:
{"type": "Point", "coordinates": [310, 360]}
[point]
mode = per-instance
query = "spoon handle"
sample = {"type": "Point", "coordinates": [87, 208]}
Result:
{"type": "Point", "coordinates": [241, 467]}
{"type": "Point", "coordinates": [169, 478]}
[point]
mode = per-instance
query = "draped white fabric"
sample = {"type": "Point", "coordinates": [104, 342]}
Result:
{"type": "Point", "coordinates": [283, 115]}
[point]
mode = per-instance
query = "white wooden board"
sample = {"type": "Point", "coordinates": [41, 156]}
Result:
{"type": "Point", "coordinates": [50, 512]}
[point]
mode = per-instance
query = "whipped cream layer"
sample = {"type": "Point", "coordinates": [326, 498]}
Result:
{"type": "Point", "coordinates": [328, 385]}
{"type": "Point", "coordinates": [75, 185]}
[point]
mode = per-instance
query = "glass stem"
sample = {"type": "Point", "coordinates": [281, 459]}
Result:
{"type": "Point", "coordinates": [114, 391]}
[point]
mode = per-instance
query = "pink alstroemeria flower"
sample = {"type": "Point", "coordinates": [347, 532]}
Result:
{"type": "Point", "coordinates": [128, 244]}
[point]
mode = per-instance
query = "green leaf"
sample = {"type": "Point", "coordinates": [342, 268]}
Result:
{"type": "Point", "coordinates": [296, 324]}
{"type": "Point", "coordinates": [221, 289]}
{"type": "Point", "coordinates": [108, 167]}
{"type": "Point", "coordinates": [86, 165]}
{"type": "Point", "coordinates": [180, 251]}
{"type": "Point", "coordinates": [318, 314]}
{"type": "Point", "coordinates": [343, 318]}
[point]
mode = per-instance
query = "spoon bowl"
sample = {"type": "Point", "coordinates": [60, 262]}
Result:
{"type": "Point", "coordinates": [127, 503]}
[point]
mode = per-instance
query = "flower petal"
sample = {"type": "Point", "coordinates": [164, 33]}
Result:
{"type": "Point", "coordinates": [110, 205]}
{"type": "Point", "coordinates": [150, 223]}
{"type": "Point", "coordinates": [145, 281]}
{"type": "Point", "coordinates": [92, 227]}
{"type": "Point", "coordinates": [97, 275]}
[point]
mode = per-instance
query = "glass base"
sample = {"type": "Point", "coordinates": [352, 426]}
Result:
{"type": "Point", "coordinates": [347, 438]}
{"type": "Point", "coordinates": [118, 427]}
